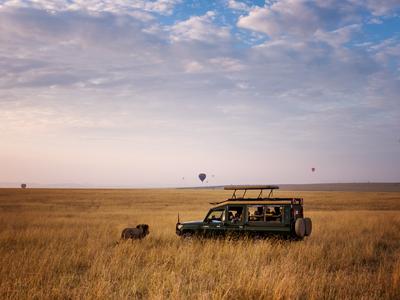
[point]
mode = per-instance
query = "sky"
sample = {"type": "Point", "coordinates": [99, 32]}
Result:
{"type": "Point", "coordinates": [151, 93]}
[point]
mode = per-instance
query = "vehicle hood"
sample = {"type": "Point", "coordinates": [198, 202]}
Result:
{"type": "Point", "coordinates": [192, 222]}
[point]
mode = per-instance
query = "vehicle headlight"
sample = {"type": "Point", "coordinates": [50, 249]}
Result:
{"type": "Point", "coordinates": [180, 226]}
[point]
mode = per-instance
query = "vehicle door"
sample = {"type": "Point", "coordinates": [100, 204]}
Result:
{"type": "Point", "coordinates": [235, 219]}
{"type": "Point", "coordinates": [214, 222]}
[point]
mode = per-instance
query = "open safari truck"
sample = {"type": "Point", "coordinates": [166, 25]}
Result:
{"type": "Point", "coordinates": [251, 216]}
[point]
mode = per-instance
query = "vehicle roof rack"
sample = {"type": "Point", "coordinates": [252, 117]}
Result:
{"type": "Point", "coordinates": [245, 188]}
{"type": "Point", "coordinates": [251, 187]}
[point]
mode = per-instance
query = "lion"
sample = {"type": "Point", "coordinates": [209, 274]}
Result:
{"type": "Point", "coordinates": [135, 233]}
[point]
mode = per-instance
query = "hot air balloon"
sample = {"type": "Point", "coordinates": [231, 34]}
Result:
{"type": "Point", "coordinates": [313, 169]}
{"type": "Point", "coordinates": [202, 176]}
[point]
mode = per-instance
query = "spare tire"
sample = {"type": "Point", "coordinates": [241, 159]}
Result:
{"type": "Point", "coordinates": [300, 227]}
{"type": "Point", "coordinates": [308, 226]}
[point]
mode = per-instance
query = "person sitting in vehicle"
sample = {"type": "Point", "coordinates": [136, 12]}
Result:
{"type": "Point", "coordinates": [214, 218]}
{"type": "Point", "coordinates": [230, 217]}
{"type": "Point", "coordinates": [250, 217]}
{"type": "Point", "coordinates": [237, 217]}
{"type": "Point", "coordinates": [269, 214]}
{"type": "Point", "coordinates": [277, 213]}
{"type": "Point", "coordinates": [258, 214]}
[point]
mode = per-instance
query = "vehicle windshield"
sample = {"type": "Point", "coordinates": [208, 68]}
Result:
{"type": "Point", "coordinates": [216, 216]}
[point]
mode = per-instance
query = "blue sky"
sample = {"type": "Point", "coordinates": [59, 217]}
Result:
{"type": "Point", "coordinates": [143, 93]}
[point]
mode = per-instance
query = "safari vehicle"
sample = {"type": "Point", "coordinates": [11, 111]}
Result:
{"type": "Point", "coordinates": [258, 216]}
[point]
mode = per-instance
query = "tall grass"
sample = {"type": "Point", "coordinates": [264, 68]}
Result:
{"type": "Point", "coordinates": [62, 244]}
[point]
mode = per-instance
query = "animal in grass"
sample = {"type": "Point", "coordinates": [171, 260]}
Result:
{"type": "Point", "coordinates": [135, 233]}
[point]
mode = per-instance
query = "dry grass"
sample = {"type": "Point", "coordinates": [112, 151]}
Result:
{"type": "Point", "coordinates": [61, 244]}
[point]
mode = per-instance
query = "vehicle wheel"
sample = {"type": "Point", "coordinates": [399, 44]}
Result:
{"type": "Point", "coordinates": [308, 226]}
{"type": "Point", "coordinates": [300, 228]}
{"type": "Point", "coordinates": [187, 235]}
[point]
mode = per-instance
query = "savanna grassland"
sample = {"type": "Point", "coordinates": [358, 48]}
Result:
{"type": "Point", "coordinates": [62, 244]}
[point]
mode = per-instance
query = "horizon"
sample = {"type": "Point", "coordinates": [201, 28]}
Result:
{"type": "Point", "coordinates": [152, 93]}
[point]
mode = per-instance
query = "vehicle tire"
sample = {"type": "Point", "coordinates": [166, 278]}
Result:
{"type": "Point", "coordinates": [308, 226]}
{"type": "Point", "coordinates": [187, 235]}
{"type": "Point", "coordinates": [300, 228]}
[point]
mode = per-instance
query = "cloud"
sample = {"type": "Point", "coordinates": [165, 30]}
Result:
{"type": "Point", "coordinates": [338, 37]}
{"type": "Point", "coordinates": [302, 19]}
{"type": "Point", "coordinates": [381, 8]}
{"type": "Point", "coordinates": [238, 5]}
{"type": "Point", "coordinates": [47, 49]}
{"type": "Point", "coordinates": [215, 64]}
{"type": "Point", "coordinates": [135, 8]}
{"type": "Point", "coordinates": [193, 67]}
{"type": "Point", "coordinates": [199, 28]}
{"type": "Point", "coordinates": [227, 64]}
{"type": "Point", "coordinates": [282, 18]}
